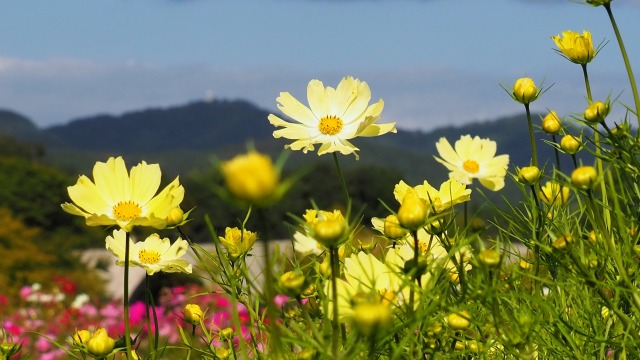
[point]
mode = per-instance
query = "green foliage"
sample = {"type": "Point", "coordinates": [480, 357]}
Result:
{"type": "Point", "coordinates": [30, 255]}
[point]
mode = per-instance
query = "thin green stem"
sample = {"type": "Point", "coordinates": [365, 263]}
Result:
{"type": "Point", "coordinates": [147, 302]}
{"type": "Point", "coordinates": [586, 82]}
{"type": "Point", "coordinates": [627, 64]}
{"type": "Point", "coordinates": [532, 138]}
{"type": "Point", "coordinates": [127, 329]}
{"type": "Point", "coordinates": [596, 141]}
{"type": "Point", "coordinates": [557, 153]}
{"type": "Point", "coordinates": [268, 285]}
{"type": "Point", "coordinates": [335, 321]}
{"type": "Point", "coordinates": [343, 183]}
{"type": "Point", "coordinates": [612, 250]}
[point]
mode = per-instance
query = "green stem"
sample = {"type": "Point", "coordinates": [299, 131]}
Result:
{"type": "Point", "coordinates": [596, 141]}
{"type": "Point", "coordinates": [335, 322]}
{"type": "Point", "coordinates": [613, 252]}
{"type": "Point", "coordinates": [586, 82]}
{"type": "Point", "coordinates": [534, 152]}
{"type": "Point", "coordinates": [625, 57]}
{"type": "Point", "coordinates": [557, 153]}
{"type": "Point", "coordinates": [147, 301]}
{"type": "Point", "coordinates": [343, 183]}
{"type": "Point", "coordinates": [127, 330]}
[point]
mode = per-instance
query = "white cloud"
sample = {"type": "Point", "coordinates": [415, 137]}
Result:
{"type": "Point", "coordinates": [58, 90]}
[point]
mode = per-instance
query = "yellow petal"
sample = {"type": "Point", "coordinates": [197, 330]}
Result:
{"type": "Point", "coordinates": [145, 181]}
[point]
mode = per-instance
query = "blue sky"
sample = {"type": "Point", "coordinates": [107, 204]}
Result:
{"type": "Point", "coordinates": [434, 63]}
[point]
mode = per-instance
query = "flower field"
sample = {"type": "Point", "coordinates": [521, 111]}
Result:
{"type": "Point", "coordinates": [551, 275]}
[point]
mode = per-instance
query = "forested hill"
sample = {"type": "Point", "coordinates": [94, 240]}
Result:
{"type": "Point", "coordinates": [184, 138]}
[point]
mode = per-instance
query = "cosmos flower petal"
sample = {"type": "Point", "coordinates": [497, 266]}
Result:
{"type": "Point", "coordinates": [145, 181]}
{"type": "Point", "coordinates": [170, 197]}
{"type": "Point", "coordinates": [294, 109]}
{"type": "Point", "coordinates": [317, 96]}
{"type": "Point", "coordinates": [446, 151]}
{"type": "Point", "coordinates": [357, 107]}
{"type": "Point", "coordinates": [112, 179]}
{"type": "Point", "coordinates": [493, 183]}
{"type": "Point", "coordinates": [86, 196]}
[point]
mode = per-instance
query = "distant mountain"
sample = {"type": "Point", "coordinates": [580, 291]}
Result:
{"type": "Point", "coordinates": [184, 138]}
{"type": "Point", "coordinates": [18, 126]}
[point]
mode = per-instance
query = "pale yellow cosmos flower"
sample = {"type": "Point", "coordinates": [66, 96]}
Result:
{"type": "Point", "coordinates": [334, 116]}
{"type": "Point", "coordinates": [116, 197]}
{"type": "Point", "coordinates": [153, 254]}
{"type": "Point", "coordinates": [474, 158]}
{"type": "Point", "coordinates": [450, 193]}
{"type": "Point", "coordinates": [367, 280]}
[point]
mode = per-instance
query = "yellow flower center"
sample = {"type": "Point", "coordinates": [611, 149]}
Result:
{"type": "Point", "coordinates": [471, 166]}
{"type": "Point", "coordinates": [330, 125]}
{"type": "Point", "coordinates": [126, 210]}
{"type": "Point", "coordinates": [149, 256]}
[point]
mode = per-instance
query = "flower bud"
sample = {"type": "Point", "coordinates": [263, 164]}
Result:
{"type": "Point", "coordinates": [524, 90]}
{"type": "Point", "coordinates": [251, 177]}
{"type": "Point", "coordinates": [559, 243]}
{"type": "Point", "coordinates": [598, 2]}
{"type": "Point", "coordinates": [584, 177]}
{"type": "Point", "coordinates": [489, 257]}
{"type": "Point", "coordinates": [529, 175]}
{"type": "Point", "coordinates": [193, 314]}
{"type": "Point", "coordinates": [175, 217]}
{"type": "Point", "coordinates": [222, 353]}
{"type": "Point", "coordinates": [324, 268]}
{"type": "Point", "coordinates": [596, 112]}
{"type": "Point", "coordinates": [329, 232]}
{"type": "Point", "coordinates": [413, 211]}
{"type": "Point", "coordinates": [551, 123]}
{"type": "Point", "coordinates": [392, 228]}
{"type": "Point", "coordinates": [81, 337]}
{"type": "Point", "coordinates": [100, 343]}
{"type": "Point", "coordinates": [306, 354]}
{"type": "Point", "coordinates": [292, 282]}
{"type": "Point", "coordinates": [368, 317]}
{"type": "Point", "coordinates": [570, 144]}
{"type": "Point", "coordinates": [554, 193]}
{"type": "Point", "coordinates": [309, 291]}
{"type": "Point", "coordinates": [9, 349]}
{"type": "Point", "coordinates": [459, 321]}
{"type": "Point", "coordinates": [226, 334]}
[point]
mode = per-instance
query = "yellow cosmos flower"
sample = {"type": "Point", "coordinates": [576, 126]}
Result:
{"type": "Point", "coordinates": [575, 47]}
{"type": "Point", "coordinates": [334, 116]}
{"type": "Point", "coordinates": [116, 197]}
{"type": "Point", "coordinates": [450, 193]}
{"type": "Point", "coordinates": [474, 158]}
{"type": "Point", "coordinates": [153, 254]}
{"type": "Point", "coordinates": [237, 242]}
{"type": "Point", "coordinates": [554, 193]}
